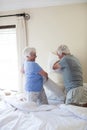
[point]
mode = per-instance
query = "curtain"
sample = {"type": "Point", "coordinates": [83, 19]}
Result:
{"type": "Point", "coordinates": [22, 42]}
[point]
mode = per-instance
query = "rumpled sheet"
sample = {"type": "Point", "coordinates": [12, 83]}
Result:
{"type": "Point", "coordinates": [44, 117]}
{"type": "Point", "coordinates": [25, 106]}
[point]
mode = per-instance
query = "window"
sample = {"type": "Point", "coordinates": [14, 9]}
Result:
{"type": "Point", "coordinates": [8, 59]}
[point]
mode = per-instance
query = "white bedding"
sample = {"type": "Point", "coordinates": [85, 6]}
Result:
{"type": "Point", "coordinates": [45, 117]}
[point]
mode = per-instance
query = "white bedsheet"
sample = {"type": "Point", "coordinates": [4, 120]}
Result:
{"type": "Point", "coordinates": [48, 117]}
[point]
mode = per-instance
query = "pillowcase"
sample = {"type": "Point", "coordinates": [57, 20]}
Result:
{"type": "Point", "coordinates": [55, 75]}
{"type": "Point", "coordinates": [54, 91]}
{"type": "Point", "coordinates": [54, 87]}
{"type": "Point", "coordinates": [51, 60]}
{"type": "Point", "coordinates": [85, 84]}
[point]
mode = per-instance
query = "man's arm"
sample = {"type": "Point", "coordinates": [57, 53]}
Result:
{"type": "Point", "coordinates": [56, 65]}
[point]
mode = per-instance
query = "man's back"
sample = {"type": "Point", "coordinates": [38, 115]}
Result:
{"type": "Point", "coordinates": [72, 72]}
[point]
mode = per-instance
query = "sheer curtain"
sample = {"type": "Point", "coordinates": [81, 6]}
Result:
{"type": "Point", "coordinates": [22, 42]}
{"type": "Point", "coordinates": [21, 28]}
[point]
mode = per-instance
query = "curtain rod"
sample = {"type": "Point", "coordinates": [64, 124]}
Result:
{"type": "Point", "coordinates": [25, 15]}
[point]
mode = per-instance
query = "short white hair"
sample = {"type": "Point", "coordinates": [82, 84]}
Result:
{"type": "Point", "coordinates": [28, 51]}
{"type": "Point", "coordinates": [63, 49]}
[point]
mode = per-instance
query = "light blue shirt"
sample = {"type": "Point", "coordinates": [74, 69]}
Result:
{"type": "Point", "coordinates": [72, 72]}
{"type": "Point", "coordinates": [33, 80]}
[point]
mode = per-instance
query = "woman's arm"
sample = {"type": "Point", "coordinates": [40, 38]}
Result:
{"type": "Point", "coordinates": [22, 69]}
{"type": "Point", "coordinates": [43, 73]}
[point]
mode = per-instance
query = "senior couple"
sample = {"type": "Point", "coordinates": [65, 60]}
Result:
{"type": "Point", "coordinates": [72, 75]}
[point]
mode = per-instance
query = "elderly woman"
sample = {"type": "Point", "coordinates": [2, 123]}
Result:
{"type": "Point", "coordinates": [33, 77]}
{"type": "Point", "coordinates": [72, 76]}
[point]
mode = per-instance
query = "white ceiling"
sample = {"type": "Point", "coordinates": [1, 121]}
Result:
{"type": "Point", "coordinates": [6, 5]}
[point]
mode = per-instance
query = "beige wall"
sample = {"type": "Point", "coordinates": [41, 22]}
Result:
{"type": "Point", "coordinates": [48, 27]}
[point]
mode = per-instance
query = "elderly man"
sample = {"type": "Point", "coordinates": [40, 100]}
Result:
{"type": "Point", "coordinates": [72, 76]}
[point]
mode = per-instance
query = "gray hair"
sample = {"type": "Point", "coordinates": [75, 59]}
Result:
{"type": "Point", "coordinates": [63, 49]}
{"type": "Point", "coordinates": [28, 51]}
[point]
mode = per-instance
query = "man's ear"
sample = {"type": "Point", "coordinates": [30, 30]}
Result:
{"type": "Point", "coordinates": [63, 54]}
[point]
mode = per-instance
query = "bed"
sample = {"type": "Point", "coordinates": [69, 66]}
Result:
{"type": "Point", "coordinates": [16, 114]}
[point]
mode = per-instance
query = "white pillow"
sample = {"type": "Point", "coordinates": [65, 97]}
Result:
{"type": "Point", "coordinates": [55, 75]}
{"type": "Point", "coordinates": [54, 87]}
{"type": "Point", "coordinates": [85, 84]}
{"type": "Point", "coordinates": [54, 91]}
{"type": "Point", "coordinates": [51, 60]}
